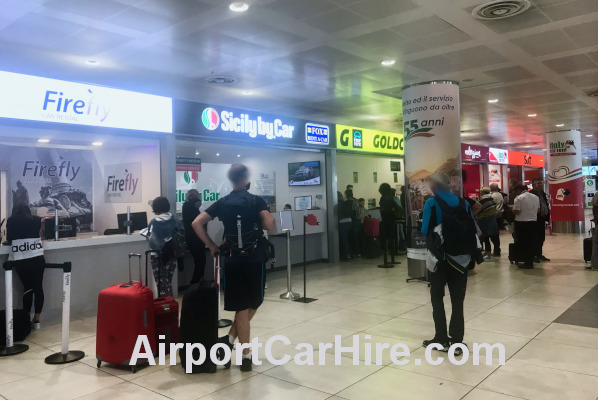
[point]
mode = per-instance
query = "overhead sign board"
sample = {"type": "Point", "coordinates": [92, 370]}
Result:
{"type": "Point", "coordinates": [498, 156]}
{"type": "Point", "coordinates": [471, 152]}
{"type": "Point", "coordinates": [233, 124]}
{"type": "Point", "coordinates": [192, 164]}
{"type": "Point", "coordinates": [526, 159]}
{"type": "Point", "coordinates": [34, 98]}
{"type": "Point", "coordinates": [369, 140]}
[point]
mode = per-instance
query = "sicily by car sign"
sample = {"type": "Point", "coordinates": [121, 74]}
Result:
{"type": "Point", "coordinates": [369, 140]}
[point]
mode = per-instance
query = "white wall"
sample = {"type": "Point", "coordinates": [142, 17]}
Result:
{"type": "Point", "coordinates": [366, 165]}
{"type": "Point", "coordinates": [149, 156]}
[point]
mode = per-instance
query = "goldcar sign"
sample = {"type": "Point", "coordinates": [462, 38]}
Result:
{"type": "Point", "coordinates": [369, 140]}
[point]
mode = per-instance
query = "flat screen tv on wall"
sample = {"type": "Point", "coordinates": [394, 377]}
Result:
{"type": "Point", "coordinates": [305, 173]}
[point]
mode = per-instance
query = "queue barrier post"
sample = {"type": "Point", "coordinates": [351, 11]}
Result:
{"type": "Point", "coordinates": [222, 323]}
{"type": "Point", "coordinates": [311, 220]}
{"type": "Point", "coordinates": [385, 238]}
{"type": "Point", "coordinates": [65, 355]}
{"type": "Point", "coordinates": [11, 348]}
{"type": "Point", "coordinates": [289, 294]}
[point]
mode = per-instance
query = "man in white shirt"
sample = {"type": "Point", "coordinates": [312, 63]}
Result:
{"type": "Point", "coordinates": [525, 209]}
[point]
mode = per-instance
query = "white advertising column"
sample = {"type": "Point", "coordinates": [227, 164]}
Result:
{"type": "Point", "coordinates": [432, 144]}
{"type": "Point", "coordinates": [565, 182]}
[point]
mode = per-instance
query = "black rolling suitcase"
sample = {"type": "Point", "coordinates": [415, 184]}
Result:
{"type": "Point", "coordinates": [587, 244]}
{"type": "Point", "coordinates": [515, 254]}
{"type": "Point", "coordinates": [371, 247]}
{"type": "Point", "coordinates": [199, 322]}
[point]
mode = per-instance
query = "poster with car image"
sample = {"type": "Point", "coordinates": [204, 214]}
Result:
{"type": "Point", "coordinates": [304, 173]}
{"type": "Point", "coordinates": [50, 179]}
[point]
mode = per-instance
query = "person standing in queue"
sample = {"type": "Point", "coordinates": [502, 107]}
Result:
{"type": "Point", "coordinates": [23, 232]}
{"type": "Point", "coordinates": [543, 218]}
{"type": "Point", "coordinates": [450, 231]}
{"type": "Point", "coordinates": [196, 247]}
{"type": "Point", "coordinates": [525, 208]}
{"type": "Point", "coordinates": [245, 217]}
{"type": "Point", "coordinates": [388, 211]}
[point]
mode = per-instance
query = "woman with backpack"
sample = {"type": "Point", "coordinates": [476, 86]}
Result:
{"type": "Point", "coordinates": [160, 232]}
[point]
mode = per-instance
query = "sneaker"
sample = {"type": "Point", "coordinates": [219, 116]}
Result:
{"type": "Point", "coordinates": [443, 343]}
{"type": "Point", "coordinates": [246, 365]}
{"type": "Point", "coordinates": [544, 258]}
{"type": "Point", "coordinates": [35, 325]}
{"type": "Point", "coordinates": [220, 352]}
{"type": "Point", "coordinates": [497, 254]}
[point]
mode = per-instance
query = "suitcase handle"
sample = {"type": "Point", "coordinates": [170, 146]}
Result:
{"type": "Point", "coordinates": [158, 254]}
{"type": "Point", "coordinates": [131, 255]}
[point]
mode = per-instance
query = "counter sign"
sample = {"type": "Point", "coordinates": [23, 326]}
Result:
{"type": "Point", "coordinates": [317, 134]}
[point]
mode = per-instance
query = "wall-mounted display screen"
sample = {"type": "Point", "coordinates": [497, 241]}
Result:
{"type": "Point", "coordinates": [303, 203]}
{"type": "Point", "coordinates": [304, 173]}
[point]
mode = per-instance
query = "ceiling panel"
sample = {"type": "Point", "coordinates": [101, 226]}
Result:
{"type": "Point", "coordinates": [570, 9]}
{"type": "Point", "coordinates": [586, 34]}
{"type": "Point", "coordinates": [38, 30]}
{"type": "Point", "coordinates": [509, 74]}
{"type": "Point", "coordinates": [88, 8]}
{"type": "Point", "coordinates": [540, 44]}
{"type": "Point", "coordinates": [335, 20]}
{"type": "Point", "coordinates": [530, 19]}
{"type": "Point", "coordinates": [573, 63]}
{"type": "Point", "coordinates": [376, 9]}
{"type": "Point", "coordinates": [140, 20]}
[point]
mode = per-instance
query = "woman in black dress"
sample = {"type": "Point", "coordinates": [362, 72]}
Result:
{"type": "Point", "coordinates": [22, 225]}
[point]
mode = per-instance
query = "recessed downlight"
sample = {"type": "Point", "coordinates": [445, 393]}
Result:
{"type": "Point", "coordinates": [532, 115]}
{"type": "Point", "coordinates": [238, 6]}
{"type": "Point", "coordinates": [217, 154]}
{"type": "Point", "coordinates": [387, 63]}
{"type": "Point", "coordinates": [92, 62]}
{"type": "Point", "coordinates": [492, 101]}
{"type": "Point", "coordinates": [97, 143]}
{"type": "Point", "coordinates": [589, 135]}
{"type": "Point", "coordinates": [197, 153]}
{"type": "Point", "coordinates": [238, 156]}
{"type": "Point", "coordinates": [247, 92]}
{"type": "Point", "coordinates": [43, 140]}
{"type": "Point", "coordinates": [559, 125]}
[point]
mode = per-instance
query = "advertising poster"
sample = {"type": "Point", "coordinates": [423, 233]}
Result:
{"type": "Point", "coordinates": [122, 183]}
{"type": "Point", "coordinates": [495, 175]}
{"type": "Point", "coordinates": [589, 186]}
{"type": "Point", "coordinates": [265, 187]}
{"type": "Point", "coordinates": [565, 176]}
{"type": "Point", "coordinates": [498, 156]}
{"type": "Point", "coordinates": [188, 164]}
{"type": "Point", "coordinates": [432, 144]}
{"type": "Point", "coordinates": [471, 152]}
{"type": "Point", "coordinates": [304, 173]}
{"type": "Point", "coordinates": [526, 159]}
{"type": "Point", "coordinates": [53, 179]}
{"type": "Point", "coordinates": [211, 183]}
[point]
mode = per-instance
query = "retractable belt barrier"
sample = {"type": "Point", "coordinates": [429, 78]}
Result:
{"type": "Point", "coordinates": [11, 347]}
{"type": "Point", "coordinates": [222, 323]}
{"type": "Point", "coordinates": [65, 356]}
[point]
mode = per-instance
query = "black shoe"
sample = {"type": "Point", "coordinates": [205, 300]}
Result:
{"type": "Point", "coordinates": [537, 260]}
{"type": "Point", "coordinates": [458, 350]}
{"type": "Point", "coordinates": [544, 258]}
{"type": "Point", "coordinates": [443, 343]}
{"type": "Point", "coordinates": [497, 254]}
{"type": "Point", "coordinates": [526, 266]}
{"type": "Point", "coordinates": [246, 365]}
{"type": "Point", "coordinates": [220, 352]}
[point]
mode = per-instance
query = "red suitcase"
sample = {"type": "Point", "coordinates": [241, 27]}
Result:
{"type": "Point", "coordinates": [124, 311]}
{"type": "Point", "coordinates": [166, 313]}
{"type": "Point", "coordinates": [371, 226]}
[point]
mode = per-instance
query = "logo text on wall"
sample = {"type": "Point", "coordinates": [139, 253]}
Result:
{"type": "Point", "coordinates": [227, 121]}
{"type": "Point", "coordinates": [317, 134]}
{"type": "Point", "coordinates": [369, 140]}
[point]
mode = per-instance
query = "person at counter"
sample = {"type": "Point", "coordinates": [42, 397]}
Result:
{"type": "Point", "coordinates": [160, 232]}
{"type": "Point", "coordinates": [344, 227]}
{"type": "Point", "coordinates": [196, 247]}
{"type": "Point", "coordinates": [23, 232]}
{"type": "Point", "coordinates": [245, 214]}
{"type": "Point", "coordinates": [389, 209]}
{"type": "Point", "coordinates": [543, 218]}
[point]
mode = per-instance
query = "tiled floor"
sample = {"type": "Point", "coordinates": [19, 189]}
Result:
{"type": "Point", "coordinates": [545, 359]}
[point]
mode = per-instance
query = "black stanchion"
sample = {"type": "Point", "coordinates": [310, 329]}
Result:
{"type": "Point", "coordinates": [392, 262]}
{"type": "Point", "coordinates": [11, 348]}
{"type": "Point", "coordinates": [222, 322]}
{"type": "Point", "coordinates": [65, 356]}
{"type": "Point", "coordinates": [313, 221]}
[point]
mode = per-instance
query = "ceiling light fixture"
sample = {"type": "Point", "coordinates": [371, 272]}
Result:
{"type": "Point", "coordinates": [197, 153]}
{"type": "Point", "coordinates": [374, 117]}
{"type": "Point", "coordinates": [238, 156]}
{"type": "Point", "coordinates": [589, 135]}
{"type": "Point", "coordinates": [387, 63]}
{"type": "Point", "coordinates": [247, 92]}
{"type": "Point", "coordinates": [559, 125]}
{"type": "Point", "coordinates": [238, 6]}
{"type": "Point", "coordinates": [92, 62]}
{"type": "Point", "coordinates": [43, 140]}
{"type": "Point", "coordinates": [492, 101]}
{"type": "Point", "coordinates": [97, 143]}
{"type": "Point", "coordinates": [217, 154]}
{"type": "Point", "coordinates": [531, 115]}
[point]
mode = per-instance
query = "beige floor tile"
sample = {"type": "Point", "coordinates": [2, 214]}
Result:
{"type": "Point", "coordinates": [383, 307]}
{"type": "Point", "coordinates": [50, 335]}
{"type": "Point", "coordinates": [365, 290]}
{"type": "Point", "coordinates": [402, 328]}
{"type": "Point", "coordinates": [352, 320]}
{"type": "Point", "coordinates": [570, 334]}
{"type": "Point", "coordinates": [373, 339]}
{"type": "Point", "coordinates": [565, 357]}
{"type": "Point", "coordinates": [558, 290]}
{"type": "Point", "coordinates": [539, 383]}
{"type": "Point", "coordinates": [511, 343]}
{"type": "Point", "coordinates": [266, 388]}
{"type": "Point", "coordinates": [505, 324]}
{"type": "Point", "coordinates": [540, 299]}
{"type": "Point", "coordinates": [329, 378]}
{"type": "Point", "coordinates": [467, 374]}
{"type": "Point", "coordinates": [126, 391]}
{"type": "Point", "coordinates": [25, 365]}
{"type": "Point", "coordinates": [390, 383]}
{"type": "Point", "coordinates": [73, 381]}
{"type": "Point", "coordinates": [174, 383]}
{"type": "Point", "coordinates": [309, 332]}
{"type": "Point", "coordinates": [524, 310]}
{"type": "Point", "coordinates": [339, 299]}
{"type": "Point", "coordinates": [409, 295]}
{"type": "Point", "coordinates": [481, 394]}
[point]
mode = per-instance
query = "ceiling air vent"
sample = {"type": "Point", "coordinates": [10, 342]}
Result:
{"type": "Point", "coordinates": [219, 80]}
{"type": "Point", "coordinates": [500, 9]}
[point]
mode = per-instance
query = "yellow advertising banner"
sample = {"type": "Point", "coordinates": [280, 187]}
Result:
{"type": "Point", "coordinates": [369, 141]}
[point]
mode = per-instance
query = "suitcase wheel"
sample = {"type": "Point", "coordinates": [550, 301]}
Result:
{"type": "Point", "coordinates": [99, 363]}
{"type": "Point", "coordinates": [134, 369]}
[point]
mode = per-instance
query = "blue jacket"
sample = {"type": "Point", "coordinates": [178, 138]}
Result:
{"type": "Point", "coordinates": [449, 197]}
{"type": "Point", "coordinates": [161, 229]}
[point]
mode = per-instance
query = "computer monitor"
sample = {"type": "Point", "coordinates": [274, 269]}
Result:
{"type": "Point", "coordinates": [303, 203]}
{"type": "Point", "coordinates": [138, 220]}
{"type": "Point", "coordinates": [68, 227]}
